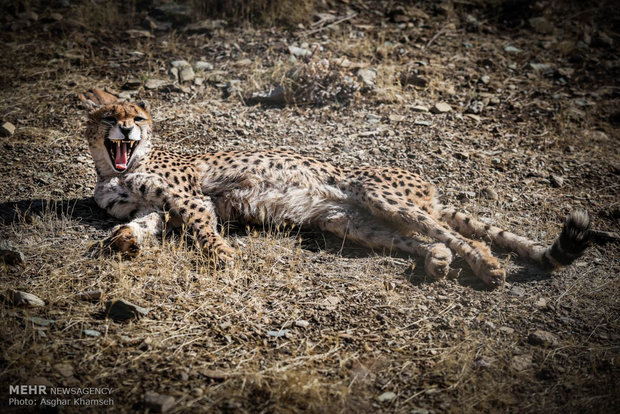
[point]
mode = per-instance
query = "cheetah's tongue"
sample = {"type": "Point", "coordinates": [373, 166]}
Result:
{"type": "Point", "coordinates": [121, 156]}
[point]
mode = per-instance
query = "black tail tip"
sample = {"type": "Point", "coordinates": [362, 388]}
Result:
{"type": "Point", "coordinates": [574, 239]}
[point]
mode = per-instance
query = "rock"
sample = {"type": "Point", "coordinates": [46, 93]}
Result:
{"type": "Point", "coordinates": [511, 49]}
{"type": "Point", "coordinates": [302, 323]}
{"type": "Point", "coordinates": [299, 51]}
{"type": "Point", "coordinates": [367, 76]}
{"type": "Point", "coordinates": [179, 63]}
{"type": "Point", "coordinates": [485, 79]}
{"type": "Point", "coordinates": [198, 81]}
{"type": "Point", "coordinates": [215, 374]}
{"type": "Point", "coordinates": [489, 193]}
{"type": "Point", "coordinates": [279, 333]}
{"type": "Point", "coordinates": [507, 330]}
{"type": "Point", "coordinates": [135, 34]}
{"type": "Point", "coordinates": [545, 68]}
{"type": "Point", "coordinates": [159, 403]}
{"type": "Point", "coordinates": [93, 295]}
{"type": "Point", "coordinates": [396, 117]}
{"type": "Point", "coordinates": [205, 26]}
{"type": "Point", "coordinates": [556, 180]}
{"type": "Point", "coordinates": [187, 74]}
{"type": "Point", "coordinates": [200, 65]}
{"type": "Point", "coordinates": [541, 25]}
{"type": "Point", "coordinates": [10, 255]}
{"type": "Point", "coordinates": [40, 321]}
{"type": "Point", "coordinates": [274, 97]}
{"type": "Point", "coordinates": [386, 396]}
{"type": "Point", "coordinates": [541, 303]}
{"type": "Point", "coordinates": [419, 108]}
{"type": "Point", "coordinates": [543, 338]}
{"type": "Point", "coordinates": [155, 83]}
{"type": "Point", "coordinates": [18, 298]}
{"type": "Point", "coordinates": [91, 332]}
{"type": "Point", "coordinates": [482, 362]}
{"type": "Point", "coordinates": [126, 95]}
{"type": "Point", "coordinates": [516, 291]}
{"type": "Point", "coordinates": [243, 62]}
{"type": "Point", "coordinates": [124, 310]}
{"type": "Point", "coordinates": [422, 122]}
{"type": "Point", "coordinates": [461, 155]}
{"type": "Point", "coordinates": [474, 117]}
{"type": "Point", "coordinates": [475, 107]}
{"type": "Point", "coordinates": [174, 73]}
{"type": "Point", "coordinates": [441, 108]}
{"type": "Point", "coordinates": [7, 129]}
{"type": "Point", "coordinates": [521, 362]}
{"type": "Point", "coordinates": [414, 79]}
{"type": "Point", "coordinates": [132, 84]}
{"type": "Point", "coordinates": [66, 370]}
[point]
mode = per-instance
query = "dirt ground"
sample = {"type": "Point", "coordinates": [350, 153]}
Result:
{"type": "Point", "coordinates": [304, 322]}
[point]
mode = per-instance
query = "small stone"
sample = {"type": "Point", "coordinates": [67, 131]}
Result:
{"type": "Point", "coordinates": [396, 118]}
{"type": "Point", "coordinates": [123, 310]}
{"type": "Point", "coordinates": [461, 155]}
{"type": "Point", "coordinates": [541, 303]}
{"type": "Point", "coordinates": [441, 108]}
{"type": "Point", "coordinates": [516, 291]}
{"type": "Point", "coordinates": [474, 117]}
{"type": "Point", "coordinates": [10, 255]}
{"type": "Point", "coordinates": [422, 122]}
{"type": "Point", "coordinates": [179, 63]}
{"type": "Point", "coordinates": [159, 403]}
{"type": "Point", "coordinates": [279, 333]}
{"type": "Point", "coordinates": [521, 362]}
{"type": "Point", "coordinates": [489, 193]}
{"type": "Point", "coordinates": [507, 330]}
{"type": "Point", "coordinates": [543, 338]}
{"type": "Point", "coordinates": [302, 323]}
{"type": "Point", "coordinates": [155, 83]}
{"type": "Point", "coordinates": [386, 396]}
{"type": "Point", "coordinates": [482, 362]}
{"type": "Point", "coordinates": [174, 73]}
{"type": "Point", "coordinates": [215, 374]}
{"type": "Point", "coordinates": [542, 67]}
{"type": "Point", "coordinates": [91, 332]}
{"type": "Point", "coordinates": [132, 84]}
{"type": "Point", "coordinates": [299, 51]}
{"type": "Point", "coordinates": [541, 25]}
{"type": "Point", "coordinates": [7, 129]}
{"type": "Point", "coordinates": [40, 321]}
{"type": "Point", "coordinates": [367, 76]}
{"type": "Point", "coordinates": [200, 65]}
{"type": "Point", "coordinates": [205, 26]}
{"type": "Point", "coordinates": [556, 180]}
{"type": "Point", "coordinates": [187, 74]}
{"type": "Point", "coordinates": [66, 370]}
{"type": "Point", "coordinates": [419, 108]}
{"type": "Point", "coordinates": [126, 95]}
{"type": "Point", "coordinates": [274, 97]}
{"type": "Point", "coordinates": [56, 16]}
{"type": "Point", "coordinates": [18, 298]}
{"type": "Point", "coordinates": [135, 34]}
{"type": "Point", "coordinates": [243, 62]}
{"type": "Point", "coordinates": [198, 81]}
{"type": "Point", "coordinates": [485, 79]}
{"type": "Point", "coordinates": [511, 49]}
{"type": "Point", "coordinates": [93, 295]}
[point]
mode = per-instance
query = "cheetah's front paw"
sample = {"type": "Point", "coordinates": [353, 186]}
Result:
{"type": "Point", "coordinates": [437, 261]}
{"type": "Point", "coordinates": [491, 273]}
{"type": "Point", "coordinates": [222, 254]}
{"type": "Point", "coordinates": [122, 240]}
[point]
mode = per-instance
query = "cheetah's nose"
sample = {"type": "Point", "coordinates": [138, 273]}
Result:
{"type": "Point", "coordinates": [125, 131]}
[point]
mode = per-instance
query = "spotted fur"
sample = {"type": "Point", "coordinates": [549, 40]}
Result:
{"type": "Point", "coordinates": [383, 208]}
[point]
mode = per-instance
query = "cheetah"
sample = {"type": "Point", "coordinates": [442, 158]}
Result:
{"type": "Point", "coordinates": [378, 207]}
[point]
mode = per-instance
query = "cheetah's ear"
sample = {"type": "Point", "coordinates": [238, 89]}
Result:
{"type": "Point", "coordinates": [144, 105]}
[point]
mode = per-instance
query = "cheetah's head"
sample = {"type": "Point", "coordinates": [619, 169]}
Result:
{"type": "Point", "coordinates": [119, 134]}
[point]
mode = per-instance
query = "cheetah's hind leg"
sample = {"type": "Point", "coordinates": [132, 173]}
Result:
{"type": "Point", "coordinates": [377, 235]}
{"type": "Point", "coordinates": [129, 238]}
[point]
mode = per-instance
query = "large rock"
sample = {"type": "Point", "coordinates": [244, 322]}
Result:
{"type": "Point", "coordinates": [28, 300]}
{"type": "Point", "coordinates": [123, 310]}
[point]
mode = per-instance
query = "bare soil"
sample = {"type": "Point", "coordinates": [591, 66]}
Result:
{"type": "Point", "coordinates": [304, 322]}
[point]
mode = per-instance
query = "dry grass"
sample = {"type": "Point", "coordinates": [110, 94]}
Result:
{"type": "Point", "coordinates": [375, 324]}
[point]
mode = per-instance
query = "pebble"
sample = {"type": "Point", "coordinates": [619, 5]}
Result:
{"type": "Point", "coordinates": [302, 323]}
{"type": "Point", "coordinates": [179, 63]}
{"type": "Point", "coordinates": [275, 96]}
{"type": "Point", "coordinates": [440, 108]}
{"type": "Point", "coordinates": [89, 295]}
{"type": "Point", "coordinates": [155, 83]}
{"type": "Point", "coordinates": [201, 65]}
{"type": "Point", "coordinates": [422, 122]}
{"type": "Point", "coordinates": [123, 310]}
{"type": "Point", "coordinates": [386, 396]}
{"type": "Point", "coordinates": [543, 338]}
{"type": "Point", "coordinates": [187, 74]}
{"type": "Point", "coordinates": [485, 79]}
{"type": "Point", "coordinates": [367, 76]}
{"type": "Point", "coordinates": [489, 193]}
{"type": "Point", "coordinates": [542, 67]}
{"type": "Point", "coordinates": [556, 180]}
{"type": "Point", "coordinates": [279, 333]}
{"type": "Point", "coordinates": [507, 330]}
{"type": "Point", "coordinates": [174, 73]}
{"type": "Point", "coordinates": [40, 321]}
{"type": "Point", "coordinates": [7, 129]}
{"type": "Point", "coordinates": [66, 370]}
{"type": "Point", "coordinates": [18, 298]}
{"type": "Point", "coordinates": [299, 51]}
{"type": "Point", "coordinates": [419, 108]}
{"type": "Point", "coordinates": [159, 403]}
{"type": "Point", "coordinates": [521, 362]}
{"type": "Point", "coordinates": [516, 291]}
{"type": "Point", "coordinates": [216, 374]}
{"type": "Point", "coordinates": [10, 255]}
{"type": "Point", "coordinates": [511, 49]}
{"type": "Point", "coordinates": [243, 62]}
{"type": "Point", "coordinates": [91, 332]}
{"type": "Point", "coordinates": [541, 303]}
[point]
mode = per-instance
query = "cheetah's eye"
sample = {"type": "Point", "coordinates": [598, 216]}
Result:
{"type": "Point", "coordinates": [109, 119]}
{"type": "Point", "coordinates": [139, 119]}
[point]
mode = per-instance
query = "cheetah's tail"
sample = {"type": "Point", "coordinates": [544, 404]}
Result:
{"type": "Point", "coordinates": [571, 243]}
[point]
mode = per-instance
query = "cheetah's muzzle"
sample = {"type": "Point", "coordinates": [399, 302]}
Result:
{"type": "Point", "coordinates": [120, 152]}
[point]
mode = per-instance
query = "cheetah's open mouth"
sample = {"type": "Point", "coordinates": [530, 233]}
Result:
{"type": "Point", "coordinates": [120, 152]}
